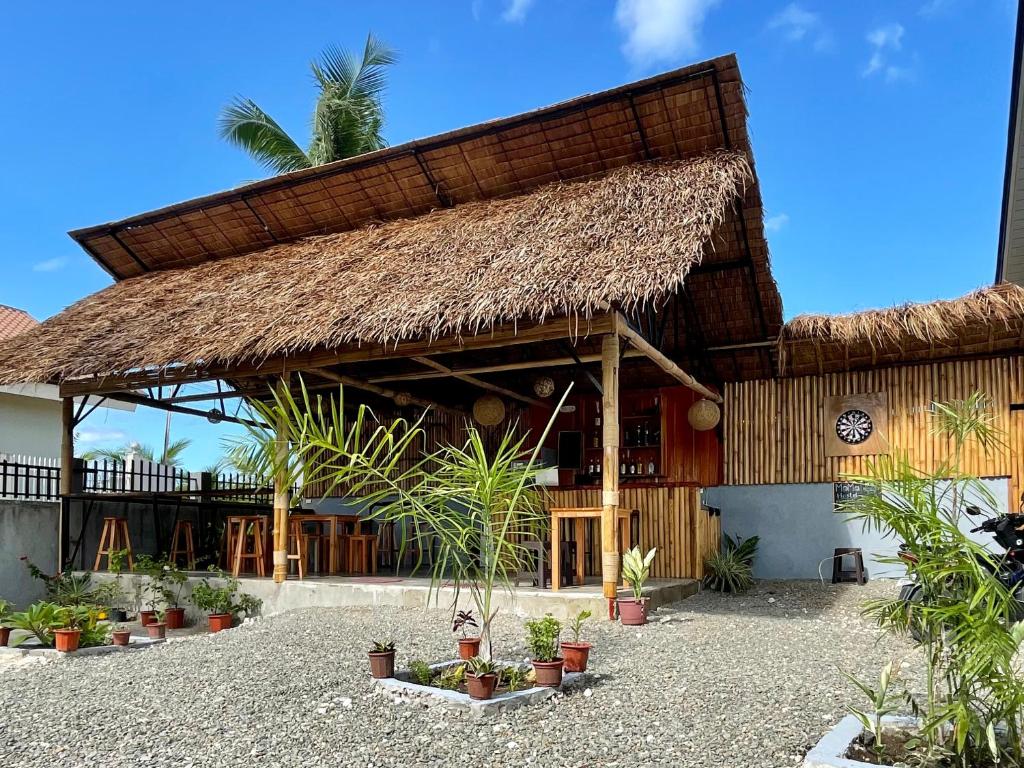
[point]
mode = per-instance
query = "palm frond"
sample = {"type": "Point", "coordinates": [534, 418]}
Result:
{"type": "Point", "coordinates": [245, 125]}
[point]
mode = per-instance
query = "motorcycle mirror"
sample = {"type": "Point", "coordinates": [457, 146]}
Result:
{"type": "Point", "coordinates": [972, 510]}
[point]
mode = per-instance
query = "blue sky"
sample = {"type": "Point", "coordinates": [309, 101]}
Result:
{"type": "Point", "coordinates": [879, 128]}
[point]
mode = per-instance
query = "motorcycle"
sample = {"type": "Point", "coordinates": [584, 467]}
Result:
{"type": "Point", "coordinates": [1008, 531]}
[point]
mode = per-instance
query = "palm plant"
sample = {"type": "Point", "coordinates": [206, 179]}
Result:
{"type": "Point", "coordinates": [348, 119]}
{"type": "Point", "coordinates": [480, 505]}
{"type": "Point", "coordinates": [170, 456]}
{"type": "Point", "coordinates": [731, 569]}
{"type": "Point", "coordinates": [963, 620]}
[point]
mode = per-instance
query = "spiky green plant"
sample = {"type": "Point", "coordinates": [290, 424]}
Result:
{"type": "Point", "coordinates": [963, 619]}
{"type": "Point", "coordinates": [731, 569]}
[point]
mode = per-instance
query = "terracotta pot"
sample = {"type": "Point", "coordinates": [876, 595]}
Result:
{"type": "Point", "coordinates": [633, 613]}
{"type": "Point", "coordinates": [481, 687]}
{"type": "Point", "coordinates": [220, 621]}
{"type": "Point", "coordinates": [576, 655]}
{"type": "Point", "coordinates": [5, 635]}
{"type": "Point", "coordinates": [174, 618]}
{"type": "Point", "coordinates": [147, 617]}
{"type": "Point", "coordinates": [121, 638]}
{"type": "Point", "coordinates": [157, 630]}
{"type": "Point", "coordinates": [469, 647]}
{"type": "Point", "coordinates": [548, 673]}
{"type": "Point", "coordinates": [382, 664]}
{"type": "Point", "coordinates": [66, 639]}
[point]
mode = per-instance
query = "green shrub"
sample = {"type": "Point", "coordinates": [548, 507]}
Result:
{"type": "Point", "coordinates": [732, 568]}
{"type": "Point", "coordinates": [543, 638]}
{"type": "Point", "coordinates": [421, 671]}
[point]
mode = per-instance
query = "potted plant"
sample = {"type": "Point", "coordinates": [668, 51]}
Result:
{"type": "Point", "coordinates": [5, 631]}
{"type": "Point", "coordinates": [121, 635]}
{"type": "Point", "coordinates": [543, 645]}
{"type": "Point", "coordinates": [153, 589]}
{"type": "Point", "coordinates": [468, 646]}
{"type": "Point", "coordinates": [157, 628]}
{"type": "Point", "coordinates": [576, 653]}
{"type": "Point", "coordinates": [382, 659]}
{"type": "Point", "coordinates": [39, 620]}
{"type": "Point", "coordinates": [481, 678]}
{"type": "Point", "coordinates": [117, 560]}
{"type": "Point", "coordinates": [636, 569]}
{"type": "Point", "coordinates": [173, 581]}
{"type": "Point", "coordinates": [67, 630]}
{"type": "Point", "coordinates": [220, 601]}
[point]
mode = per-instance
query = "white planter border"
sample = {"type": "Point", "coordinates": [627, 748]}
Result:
{"type": "Point", "coordinates": [830, 751]}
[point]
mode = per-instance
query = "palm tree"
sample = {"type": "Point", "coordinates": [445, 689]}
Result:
{"type": "Point", "coordinates": [170, 456]}
{"type": "Point", "coordinates": [347, 121]}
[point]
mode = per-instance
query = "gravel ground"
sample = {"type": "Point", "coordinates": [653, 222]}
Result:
{"type": "Point", "coordinates": [743, 682]}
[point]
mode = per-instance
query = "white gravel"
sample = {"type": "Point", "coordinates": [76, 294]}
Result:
{"type": "Point", "coordinates": [714, 681]}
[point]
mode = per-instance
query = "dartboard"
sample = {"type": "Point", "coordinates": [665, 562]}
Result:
{"type": "Point", "coordinates": [853, 426]}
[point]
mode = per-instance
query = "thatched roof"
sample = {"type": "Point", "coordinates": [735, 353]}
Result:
{"type": "Point", "coordinates": [988, 320]}
{"type": "Point", "coordinates": [628, 237]}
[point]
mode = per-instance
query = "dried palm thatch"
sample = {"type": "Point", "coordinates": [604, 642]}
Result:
{"type": "Point", "coordinates": [628, 237]}
{"type": "Point", "coordinates": [935, 321]}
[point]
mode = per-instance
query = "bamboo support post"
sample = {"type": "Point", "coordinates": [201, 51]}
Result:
{"type": "Point", "coordinates": [67, 469]}
{"type": "Point", "coordinates": [610, 473]}
{"type": "Point", "coordinates": [281, 490]}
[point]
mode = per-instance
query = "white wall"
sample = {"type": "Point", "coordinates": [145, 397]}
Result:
{"type": "Point", "coordinates": [29, 426]}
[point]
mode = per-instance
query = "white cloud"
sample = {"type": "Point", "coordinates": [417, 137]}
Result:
{"type": "Point", "coordinates": [475, 8]}
{"type": "Point", "coordinates": [661, 30]}
{"type": "Point", "coordinates": [515, 10]}
{"type": "Point", "coordinates": [775, 223]}
{"type": "Point", "coordinates": [885, 41]}
{"type": "Point", "coordinates": [795, 23]}
{"type": "Point", "coordinates": [50, 265]}
{"type": "Point", "coordinates": [99, 435]}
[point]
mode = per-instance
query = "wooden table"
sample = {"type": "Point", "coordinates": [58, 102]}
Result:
{"type": "Point", "coordinates": [580, 515]}
{"type": "Point", "coordinates": [332, 522]}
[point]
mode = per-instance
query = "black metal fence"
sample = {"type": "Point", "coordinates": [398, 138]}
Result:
{"type": "Point", "coordinates": [31, 478]}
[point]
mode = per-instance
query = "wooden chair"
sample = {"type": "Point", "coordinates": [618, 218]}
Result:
{"type": "Point", "coordinates": [182, 546]}
{"type": "Point", "coordinates": [362, 552]}
{"type": "Point", "coordinates": [318, 545]}
{"type": "Point", "coordinates": [539, 574]}
{"type": "Point", "coordinates": [841, 576]}
{"type": "Point", "coordinates": [298, 539]}
{"type": "Point", "coordinates": [387, 544]}
{"type": "Point", "coordinates": [113, 537]}
{"type": "Point", "coordinates": [244, 531]}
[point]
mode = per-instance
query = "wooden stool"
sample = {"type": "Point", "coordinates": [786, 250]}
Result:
{"type": "Point", "coordinates": [242, 536]}
{"type": "Point", "coordinates": [114, 537]}
{"type": "Point", "coordinates": [840, 576]}
{"type": "Point", "coordinates": [318, 543]}
{"type": "Point", "coordinates": [181, 544]}
{"type": "Point", "coordinates": [387, 544]}
{"type": "Point", "coordinates": [362, 546]}
{"type": "Point", "coordinates": [296, 536]}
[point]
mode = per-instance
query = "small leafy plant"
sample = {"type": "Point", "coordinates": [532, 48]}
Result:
{"type": "Point", "coordinates": [731, 570]}
{"type": "Point", "coordinates": [224, 599]}
{"type": "Point", "coordinates": [421, 671]}
{"type": "Point", "coordinates": [382, 646]}
{"type": "Point", "coordinates": [543, 638]}
{"type": "Point", "coordinates": [480, 667]}
{"type": "Point", "coordinates": [451, 678]}
{"type": "Point", "coordinates": [882, 704]}
{"type": "Point", "coordinates": [513, 678]}
{"type": "Point", "coordinates": [576, 624]}
{"type": "Point", "coordinates": [463, 621]}
{"type": "Point", "coordinates": [39, 620]}
{"type": "Point", "coordinates": [5, 611]}
{"type": "Point", "coordinates": [636, 569]}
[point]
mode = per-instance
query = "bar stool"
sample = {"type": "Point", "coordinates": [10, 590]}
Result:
{"type": "Point", "coordinates": [387, 544]}
{"type": "Point", "coordinates": [114, 537]}
{"type": "Point", "coordinates": [182, 546]}
{"type": "Point", "coordinates": [298, 539]}
{"type": "Point", "coordinates": [841, 576]}
{"type": "Point", "coordinates": [318, 544]}
{"type": "Point", "coordinates": [243, 531]}
{"type": "Point", "coordinates": [362, 547]}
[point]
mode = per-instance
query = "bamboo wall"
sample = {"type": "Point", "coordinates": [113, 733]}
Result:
{"type": "Point", "coordinates": [774, 428]}
{"type": "Point", "coordinates": [671, 519]}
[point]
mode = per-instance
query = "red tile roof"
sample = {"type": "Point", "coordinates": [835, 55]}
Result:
{"type": "Point", "coordinates": [14, 321]}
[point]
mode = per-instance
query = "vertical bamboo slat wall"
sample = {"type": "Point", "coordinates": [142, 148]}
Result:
{"type": "Point", "coordinates": [671, 519]}
{"type": "Point", "coordinates": [775, 428]}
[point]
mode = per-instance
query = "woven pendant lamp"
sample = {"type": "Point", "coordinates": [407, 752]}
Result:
{"type": "Point", "coordinates": [704, 415]}
{"type": "Point", "coordinates": [489, 410]}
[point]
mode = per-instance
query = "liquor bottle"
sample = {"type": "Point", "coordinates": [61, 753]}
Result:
{"type": "Point", "coordinates": [647, 434]}
{"type": "Point", "coordinates": [597, 426]}
{"type": "Point", "coordinates": [650, 467]}
{"type": "Point", "coordinates": [622, 466]}
{"type": "Point", "coordinates": [632, 467]}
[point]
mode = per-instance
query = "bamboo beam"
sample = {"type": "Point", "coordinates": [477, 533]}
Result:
{"type": "Point", "coordinates": [479, 382]}
{"type": "Point", "coordinates": [610, 467]}
{"type": "Point", "coordinates": [163, 405]}
{"type": "Point", "coordinates": [502, 336]}
{"type": "Point", "coordinates": [67, 478]}
{"type": "Point", "coordinates": [282, 498]}
{"type": "Point", "coordinates": [351, 381]}
{"type": "Point", "coordinates": [523, 365]}
{"type": "Point", "coordinates": [662, 361]}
